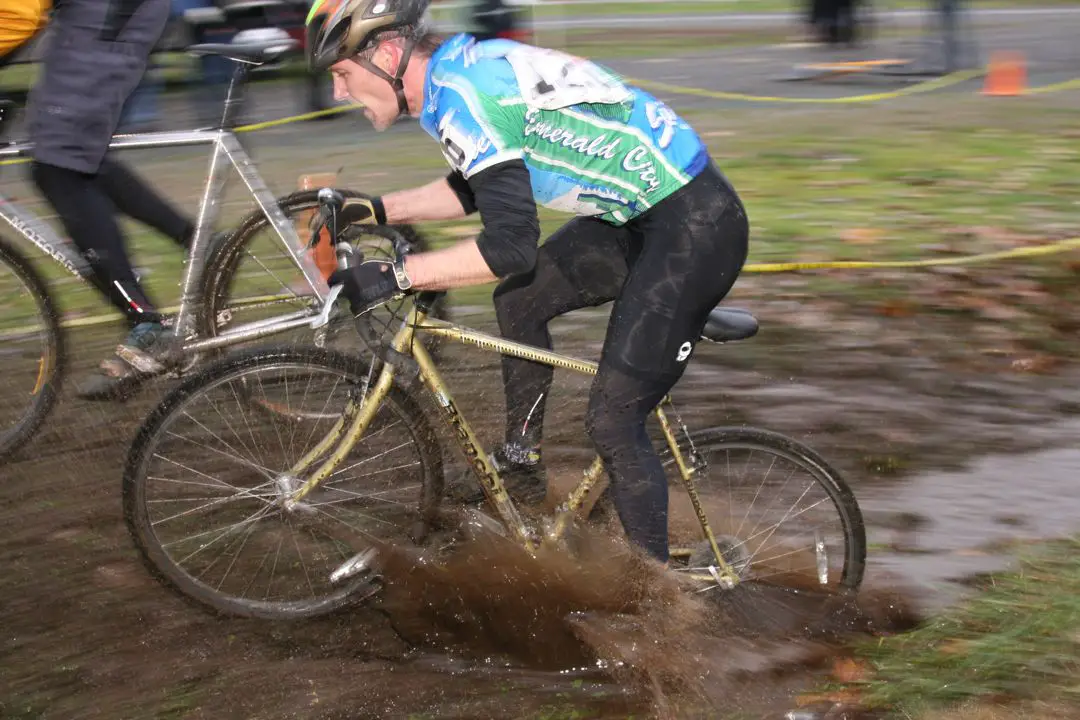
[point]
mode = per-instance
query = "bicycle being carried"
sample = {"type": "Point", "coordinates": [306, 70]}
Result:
{"type": "Point", "coordinates": [279, 514]}
{"type": "Point", "coordinates": [216, 294]}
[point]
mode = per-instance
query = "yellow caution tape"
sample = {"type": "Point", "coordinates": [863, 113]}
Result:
{"type": "Point", "coordinates": [1048, 249]}
{"type": "Point", "coordinates": [923, 87]}
{"type": "Point", "coordinates": [296, 118]}
{"type": "Point", "coordinates": [1056, 87]}
{"type": "Point", "coordinates": [249, 128]}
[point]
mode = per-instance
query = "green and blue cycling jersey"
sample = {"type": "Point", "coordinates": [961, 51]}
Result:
{"type": "Point", "coordinates": [593, 144]}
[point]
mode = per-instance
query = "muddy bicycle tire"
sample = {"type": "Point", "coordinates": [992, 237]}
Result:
{"type": "Point", "coordinates": [51, 364]}
{"type": "Point", "coordinates": [223, 260]}
{"type": "Point", "coordinates": [160, 425]}
{"type": "Point", "coordinates": [824, 474]}
{"type": "Point", "coordinates": [799, 454]}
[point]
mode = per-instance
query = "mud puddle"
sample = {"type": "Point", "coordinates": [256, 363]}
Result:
{"type": "Point", "coordinates": [939, 529]}
{"type": "Point", "coordinates": [88, 633]}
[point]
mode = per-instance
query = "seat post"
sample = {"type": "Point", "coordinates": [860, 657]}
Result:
{"type": "Point", "coordinates": [234, 97]}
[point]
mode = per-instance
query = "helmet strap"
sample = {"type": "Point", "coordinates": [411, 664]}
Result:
{"type": "Point", "coordinates": [395, 81]}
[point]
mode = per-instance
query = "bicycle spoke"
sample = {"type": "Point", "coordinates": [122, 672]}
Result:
{"type": "Point", "coordinates": [241, 460]}
{"type": "Point", "coordinates": [216, 503]}
{"type": "Point", "coordinates": [219, 520]}
{"type": "Point", "coordinates": [229, 425]}
{"type": "Point", "coordinates": [300, 557]}
{"type": "Point", "coordinates": [366, 460]}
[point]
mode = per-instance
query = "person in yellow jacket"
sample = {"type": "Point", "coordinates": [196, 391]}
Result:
{"type": "Point", "coordinates": [20, 20]}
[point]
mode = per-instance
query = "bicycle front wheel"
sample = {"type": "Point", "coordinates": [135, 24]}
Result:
{"type": "Point", "coordinates": [207, 476]}
{"type": "Point", "coordinates": [31, 351]}
{"type": "Point", "coordinates": [781, 515]}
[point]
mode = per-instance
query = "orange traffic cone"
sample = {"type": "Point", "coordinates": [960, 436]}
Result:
{"type": "Point", "coordinates": [1007, 74]}
{"type": "Point", "coordinates": [323, 253]}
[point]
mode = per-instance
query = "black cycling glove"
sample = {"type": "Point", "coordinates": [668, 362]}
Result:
{"type": "Point", "coordinates": [368, 285]}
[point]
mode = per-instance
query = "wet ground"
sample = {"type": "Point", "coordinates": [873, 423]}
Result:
{"type": "Point", "coordinates": [950, 460]}
{"type": "Point", "coordinates": [932, 455]}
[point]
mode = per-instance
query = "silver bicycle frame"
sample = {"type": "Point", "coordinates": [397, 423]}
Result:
{"type": "Point", "coordinates": [226, 146]}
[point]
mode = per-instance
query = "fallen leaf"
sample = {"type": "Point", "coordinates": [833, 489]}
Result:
{"type": "Point", "coordinates": [862, 236]}
{"type": "Point", "coordinates": [971, 552]}
{"type": "Point", "coordinates": [895, 308]}
{"type": "Point", "coordinates": [954, 646]}
{"type": "Point", "coordinates": [850, 670]}
{"type": "Point", "coordinates": [1035, 364]}
{"type": "Point", "coordinates": [845, 697]}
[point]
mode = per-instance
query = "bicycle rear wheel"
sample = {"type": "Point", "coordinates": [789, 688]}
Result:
{"type": "Point", "coordinates": [780, 513]}
{"type": "Point", "coordinates": [206, 478]}
{"type": "Point", "coordinates": [31, 351]}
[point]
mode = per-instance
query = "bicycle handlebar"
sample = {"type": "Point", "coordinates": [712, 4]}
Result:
{"type": "Point", "coordinates": [330, 203]}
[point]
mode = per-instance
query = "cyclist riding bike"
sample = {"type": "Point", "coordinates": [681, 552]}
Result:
{"type": "Point", "coordinates": [658, 229]}
{"type": "Point", "coordinates": [94, 58]}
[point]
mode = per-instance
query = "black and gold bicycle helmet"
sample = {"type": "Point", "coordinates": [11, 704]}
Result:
{"type": "Point", "coordinates": [339, 29]}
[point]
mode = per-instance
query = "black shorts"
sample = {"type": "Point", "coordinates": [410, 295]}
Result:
{"type": "Point", "coordinates": [665, 270]}
{"type": "Point", "coordinates": [96, 54]}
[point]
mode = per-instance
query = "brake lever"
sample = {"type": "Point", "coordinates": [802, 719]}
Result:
{"type": "Point", "coordinates": [328, 307]}
{"type": "Point", "coordinates": [330, 201]}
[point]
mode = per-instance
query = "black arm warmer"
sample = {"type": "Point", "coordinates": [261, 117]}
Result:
{"type": "Point", "coordinates": [464, 193]}
{"type": "Point", "coordinates": [503, 195]}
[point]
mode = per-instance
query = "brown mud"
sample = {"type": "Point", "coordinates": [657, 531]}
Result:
{"type": "Point", "coordinates": [87, 632]}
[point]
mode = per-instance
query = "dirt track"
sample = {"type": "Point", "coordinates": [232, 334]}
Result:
{"type": "Point", "coordinates": [88, 633]}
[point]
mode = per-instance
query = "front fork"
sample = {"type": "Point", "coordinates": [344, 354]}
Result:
{"type": "Point", "coordinates": [353, 423]}
{"type": "Point", "coordinates": [722, 573]}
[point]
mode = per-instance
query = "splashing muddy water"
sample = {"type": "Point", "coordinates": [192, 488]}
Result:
{"type": "Point", "coordinates": [608, 614]}
{"type": "Point", "coordinates": [89, 633]}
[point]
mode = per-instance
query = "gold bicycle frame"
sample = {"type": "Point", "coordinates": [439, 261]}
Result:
{"type": "Point", "coordinates": [348, 430]}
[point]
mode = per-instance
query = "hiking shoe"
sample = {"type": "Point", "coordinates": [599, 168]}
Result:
{"type": "Point", "coordinates": [149, 349]}
{"type": "Point", "coordinates": [520, 469]}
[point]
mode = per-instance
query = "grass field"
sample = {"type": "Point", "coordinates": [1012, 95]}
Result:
{"type": "Point", "coordinates": [904, 180]}
{"type": "Point", "coordinates": [1011, 651]}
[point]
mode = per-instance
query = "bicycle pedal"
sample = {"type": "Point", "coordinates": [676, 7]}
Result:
{"type": "Point", "coordinates": [357, 564]}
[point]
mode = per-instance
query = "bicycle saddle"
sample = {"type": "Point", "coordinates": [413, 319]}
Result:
{"type": "Point", "coordinates": [252, 53]}
{"type": "Point", "coordinates": [729, 324]}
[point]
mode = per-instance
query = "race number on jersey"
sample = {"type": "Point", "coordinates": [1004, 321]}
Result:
{"type": "Point", "coordinates": [551, 79]}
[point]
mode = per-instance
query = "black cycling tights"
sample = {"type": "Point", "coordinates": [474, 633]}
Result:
{"type": "Point", "coordinates": [87, 206]}
{"type": "Point", "coordinates": [665, 270]}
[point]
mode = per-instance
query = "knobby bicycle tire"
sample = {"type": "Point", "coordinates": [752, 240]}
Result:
{"type": "Point", "coordinates": [827, 477]}
{"type": "Point", "coordinates": [223, 260]}
{"type": "Point", "coordinates": [52, 362]}
{"type": "Point", "coordinates": [401, 403]}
